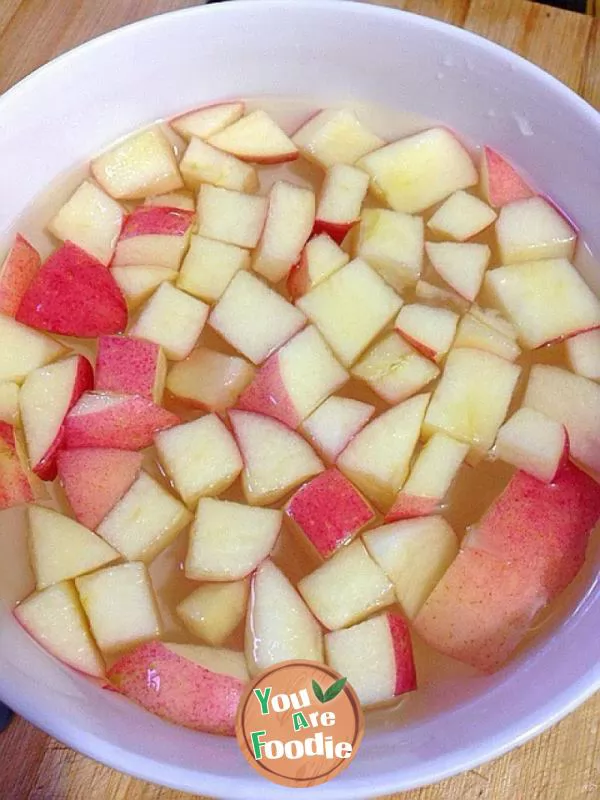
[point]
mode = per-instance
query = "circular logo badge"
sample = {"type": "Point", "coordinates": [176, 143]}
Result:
{"type": "Point", "coordinates": [299, 723]}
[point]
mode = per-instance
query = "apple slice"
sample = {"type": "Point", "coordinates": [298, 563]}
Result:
{"type": "Point", "coordinates": [15, 486]}
{"type": "Point", "coordinates": [128, 422]}
{"type": "Point", "coordinates": [9, 403]}
{"type": "Point", "coordinates": [414, 554]}
{"type": "Point", "coordinates": [200, 457]}
{"type": "Point", "coordinates": [155, 235]}
{"type": "Point", "coordinates": [476, 334]}
{"type": "Point", "coordinates": [203, 122]}
{"type": "Point", "coordinates": [480, 610]}
{"type": "Point", "coordinates": [173, 320]}
{"type": "Point", "coordinates": [461, 217]}
{"type": "Point", "coordinates": [329, 511]}
{"type": "Point", "coordinates": [24, 350]}
{"type": "Point", "coordinates": [392, 243]}
{"type": "Point", "coordinates": [279, 626]}
{"type": "Point", "coordinates": [430, 478]}
{"type": "Point", "coordinates": [533, 442]}
{"type": "Point", "coordinates": [376, 657]}
{"type": "Point", "coordinates": [18, 270]}
{"type": "Point", "coordinates": [55, 619]}
{"type": "Point", "coordinates": [420, 170]}
{"type": "Point", "coordinates": [256, 137]}
{"type": "Point", "coordinates": [229, 540]}
{"type": "Point", "coordinates": [335, 136]}
{"type": "Point", "coordinates": [533, 229]}
{"type": "Point", "coordinates": [138, 283]}
{"type": "Point", "coordinates": [574, 402]}
{"type": "Point", "coordinates": [73, 294]}
{"type": "Point", "coordinates": [203, 163]}
{"type": "Point", "coordinates": [430, 330]}
{"type": "Point", "coordinates": [546, 300]}
{"type": "Point", "coordinates": [340, 200]}
{"type": "Point", "coordinates": [253, 318]}
{"type": "Point", "coordinates": [294, 380]}
{"type": "Point", "coordinates": [62, 549]}
{"type": "Point", "coordinates": [208, 379]}
{"type": "Point", "coordinates": [140, 165]}
{"type": "Point", "coordinates": [276, 459]}
{"type": "Point", "coordinates": [433, 295]}
{"type": "Point", "coordinates": [95, 479]}
{"type": "Point", "coordinates": [394, 370]}
{"type": "Point", "coordinates": [213, 611]}
{"type": "Point", "coordinates": [472, 398]}
{"type": "Point", "coordinates": [90, 219]}
{"type": "Point", "coordinates": [350, 308]}
{"type": "Point", "coordinates": [500, 182]}
{"type": "Point", "coordinates": [583, 353]}
{"type": "Point", "coordinates": [378, 457]}
{"type": "Point", "coordinates": [335, 423]}
{"type": "Point", "coordinates": [320, 258]}
{"type": "Point", "coordinates": [182, 200]}
{"type": "Point", "coordinates": [288, 225]}
{"type": "Point", "coordinates": [45, 399]}
{"type": "Point", "coordinates": [130, 366]}
{"type": "Point", "coordinates": [231, 217]}
{"type": "Point", "coordinates": [209, 268]}
{"type": "Point", "coordinates": [191, 685]}
{"type": "Point", "coordinates": [346, 588]}
{"type": "Point", "coordinates": [461, 265]}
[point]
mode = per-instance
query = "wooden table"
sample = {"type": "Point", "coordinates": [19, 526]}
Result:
{"type": "Point", "coordinates": [564, 763]}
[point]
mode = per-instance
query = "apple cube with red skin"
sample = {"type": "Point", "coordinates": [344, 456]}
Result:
{"type": "Point", "coordinates": [203, 122]}
{"type": "Point", "coordinates": [533, 442]}
{"type": "Point", "coordinates": [203, 163]}
{"type": "Point", "coordinates": [461, 264]}
{"type": "Point", "coordinates": [45, 399]}
{"type": "Point", "coordinates": [533, 229]}
{"type": "Point", "coordinates": [340, 200]}
{"type": "Point", "coordinates": [583, 352]}
{"type": "Point", "coordinates": [73, 294]}
{"type": "Point", "coordinates": [182, 200]}
{"type": "Point", "coordinates": [500, 182]}
{"type": "Point", "coordinates": [329, 511]}
{"type": "Point", "coordinates": [376, 656]}
{"type": "Point", "coordinates": [130, 366]}
{"type": "Point", "coordinates": [428, 329]}
{"type": "Point", "coordinates": [229, 216]}
{"type": "Point", "coordinates": [413, 173]}
{"type": "Point", "coordinates": [209, 267]}
{"type": "Point", "coordinates": [209, 379]}
{"type": "Point", "coordinates": [335, 136]}
{"type": "Point", "coordinates": [214, 610]}
{"type": "Point", "coordinates": [191, 685]}
{"type": "Point", "coordinates": [15, 486]}
{"type": "Point", "coordinates": [256, 137]}
{"type": "Point", "coordinates": [18, 270]}
{"type": "Point", "coordinates": [155, 235]}
{"type": "Point", "coordinates": [320, 258]}
{"type": "Point", "coordinates": [461, 217]}
{"type": "Point", "coordinates": [392, 243]}
{"type": "Point", "coordinates": [295, 379]}
{"type": "Point", "coordinates": [9, 403]}
{"type": "Point", "coordinates": [332, 426]}
{"type": "Point", "coordinates": [138, 283]}
{"type": "Point", "coordinates": [473, 332]}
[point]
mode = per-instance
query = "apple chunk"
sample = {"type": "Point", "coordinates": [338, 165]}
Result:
{"type": "Point", "coordinates": [209, 379]}
{"type": "Point", "coordinates": [332, 426]}
{"type": "Point", "coordinates": [130, 366]}
{"type": "Point", "coordinates": [209, 268]}
{"type": "Point", "coordinates": [500, 182]}
{"type": "Point", "coordinates": [256, 137]}
{"type": "Point", "coordinates": [340, 200]}
{"type": "Point", "coordinates": [16, 273]}
{"type": "Point", "coordinates": [182, 200]}
{"type": "Point", "coordinates": [138, 283]}
{"type": "Point", "coordinates": [392, 243]}
{"type": "Point", "coordinates": [279, 626]}
{"type": "Point", "coordinates": [376, 657]}
{"type": "Point", "coordinates": [203, 122]}
{"type": "Point", "coordinates": [191, 685]}
{"type": "Point", "coordinates": [229, 216]}
{"type": "Point", "coordinates": [461, 264]}
{"type": "Point", "coordinates": [155, 235]}
{"type": "Point", "coordinates": [531, 229]}
{"type": "Point", "coordinates": [24, 350]}
{"type": "Point", "coordinates": [533, 442]}
{"type": "Point", "coordinates": [15, 486]}
{"type": "Point", "coordinates": [335, 136]}
{"type": "Point", "coordinates": [213, 611]}
{"type": "Point", "coordinates": [583, 352]}
{"type": "Point", "coordinates": [229, 540]}
{"type": "Point", "coordinates": [320, 258]}
{"type": "Point", "coordinates": [475, 332]}
{"type": "Point", "coordinates": [203, 163]}
{"type": "Point", "coordinates": [430, 330]}
{"type": "Point", "coordinates": [461, 216]}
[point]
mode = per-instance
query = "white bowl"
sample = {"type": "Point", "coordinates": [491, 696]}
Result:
{"type": "Point", "coordinates": [334, 51]}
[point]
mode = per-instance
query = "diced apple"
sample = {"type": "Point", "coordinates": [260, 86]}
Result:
{"type": "Point", "coordinates": [200, 457]}
{"type": "Point", "coordinates": [340, 200]}
{"type": "Point", "coordinates": [376, 657]}
{"type": "Point", "coordinates": [203, 163]}
{"type": "Point", "coordinates": [420, 170]}
{"type": "Point", "coordinates": [335, 136]}
{"type": "Point", "coordinates": [95, 479]}
{"type": "Point", "coordinates": [461, 216]}
{"type": "Point", "coordinates": [583, 352]}
{"type": "Point", "coordinates": [182, 200]}
{"type": "Point", "coordinates": [500, 182]}
{"type": "Point", "coordinates": [55, 619]}
{"type": "Point", "coordinates": [213, 611]}
{"type": "Point", "coordinates": [17, 271]}
{"type": "Point", "coordinates": [209, 379]}
{"type": "Point", "coordinates": [15, 486]}
{"type": "Point", "coordinates": [378, 457]}
{"type": "Point", "coordinates": [172, 319]}
{"type": "Point", "coordinates": [155, 235]}
{"type": "Point", "coordinates": [141, 165]}
{"type": "Point", "coordinates": [130, 366]}
{"type": "Point", "coordinates": [546, 300]}
{"type": "Point", "coordinates": [430, 478]}
{"type": "Point", "coordinates": [128, 422]}
{"type": "Point", "coordinates": [392, 243]}
{"type": "Point", "coordinates": [138, 283]}
{"type": "Point", "coordinates": [256, 137]}
{"type": "Point", "coordinates": [533, 442]}
{"type": "Point", "coordinates": [430, 330]}
{"type": "Point", "coordinates": [45, 399]}
{"type": "Point", "coordinates": [472, 398]}
{"type": "Point", "coordinates": [533, 229]}
{"type": "Point", "coordinates": [574, 402]}
{"type": "Point", "coordinates": [394, 370]}
{"type": "Point", "coordinates": [203, 122]}
{"type": "Point", "coordinates": [495, 320]}
{"type": "Point", "coordinates": [279, 626]}
{"type": "Point", "coordinates": [414, 554]}
{"type": "Point", "coordinates": [320, 258]}
{"type": "Point", "coordinates": [24, 350]}
{"type": "Point", "coordinates": [332, 426]}
{"type": "Point", "coordinates": [9, 403]}
{"type": "Point", "coordinates": [90, 219]}
{"type": "Point", "coordinates": [61, 548]}
{"type": "Point", "coordinates": [295, 379]}
{"type": "Point", "coordinates": [350, 308]}
{"type": "Point", "coordinates": [73, 294]}
{"type": "Point", "coordinates": [461, 264]}
{"type": "Point", "coordinates": [440, 298]}
{"type": "Point", "coordinates": [191, 685]}
{"type": "Point", "coordinates": [253, 318]}
{"type": "Point", "coordinates": [209, 267]}
{"type": "Point", "coordinates": [229, 540]}
{"type": "Point", "coordinates": [231, 217]}
{"type": "Point", "coordinates": [346, 588]}
{"type": "Point", "coordinates": [276, 459]}
{"type": "Point", "coordinates": [476, 334]}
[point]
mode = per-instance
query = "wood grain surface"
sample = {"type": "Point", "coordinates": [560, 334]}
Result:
{"type": "Point", "coordinates": [563, 763]}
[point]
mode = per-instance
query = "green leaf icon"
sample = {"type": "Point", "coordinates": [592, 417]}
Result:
{"type": "Point", "coordinates": [318, 692]}
{"type": "Point", "coordinates": [335, 689]}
